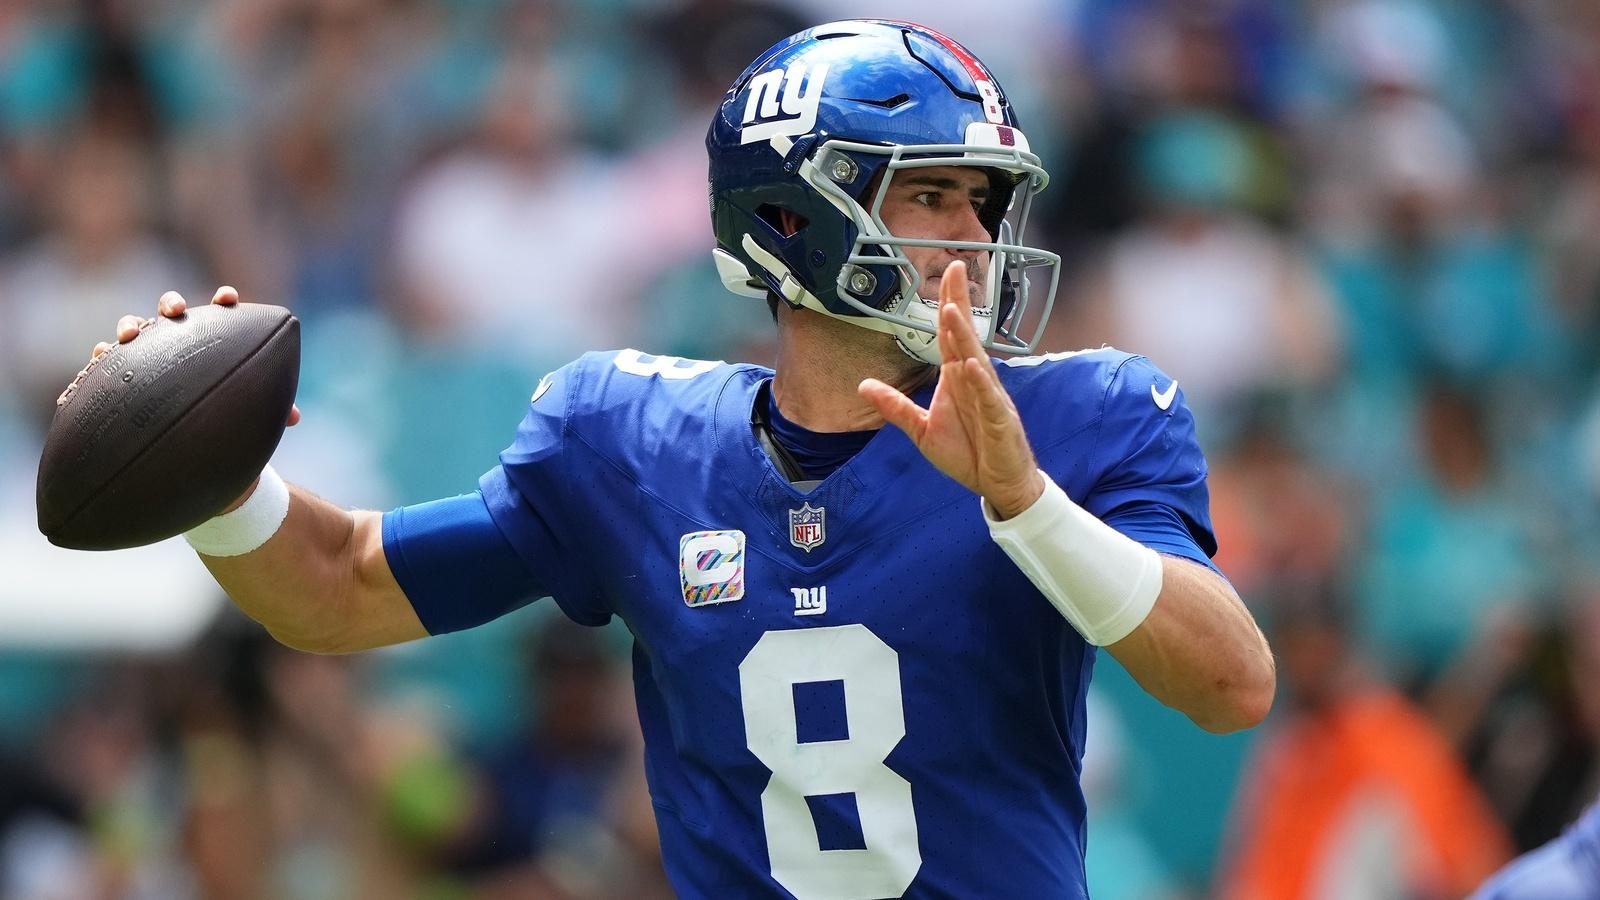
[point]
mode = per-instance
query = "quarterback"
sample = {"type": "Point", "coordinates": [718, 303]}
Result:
{"type": "Point", "coordinates": [860, 652]}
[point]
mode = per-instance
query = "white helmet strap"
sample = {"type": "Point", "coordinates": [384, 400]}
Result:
{"type": "Point", "coordinates": [919, 345]}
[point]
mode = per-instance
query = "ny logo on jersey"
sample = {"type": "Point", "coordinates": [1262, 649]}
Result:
{"type": "Point", "coordinates": [788, 90]}
{"type": "Point", "coordinates": [810, 601]}
{"type": "Point", "coordinates": [806, 526]}
{"type": "Point", "coordinates": [711, 567]}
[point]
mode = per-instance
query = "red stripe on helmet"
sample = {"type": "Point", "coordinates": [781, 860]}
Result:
{"type": "Point", "coordinates": [968, 61]}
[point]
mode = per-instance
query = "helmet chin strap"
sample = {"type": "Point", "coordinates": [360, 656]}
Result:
{"type": "Point", "coordinates": [925, 347]}
{"type": "Point", "coordinates": [922, 346]}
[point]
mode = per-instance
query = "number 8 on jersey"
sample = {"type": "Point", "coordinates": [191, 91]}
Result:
{"type": "Point", "coordinates": [869, 671]}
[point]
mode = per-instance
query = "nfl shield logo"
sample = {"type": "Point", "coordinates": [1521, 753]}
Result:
{"type": "Point", "coordinates": [806, 527]}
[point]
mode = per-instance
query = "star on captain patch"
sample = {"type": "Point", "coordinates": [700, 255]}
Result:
{"type": "Point", "coordinates": [807, 527]}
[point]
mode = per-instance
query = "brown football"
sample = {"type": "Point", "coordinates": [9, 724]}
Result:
{"type": "Point", "coordinates": [165, 431]}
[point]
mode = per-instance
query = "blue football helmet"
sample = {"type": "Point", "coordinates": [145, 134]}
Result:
{"type": "Point", "coordinates": [817, 126]}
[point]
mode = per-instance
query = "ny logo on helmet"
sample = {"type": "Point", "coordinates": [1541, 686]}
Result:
{"type": "Point", "coordinates": [790, 90]}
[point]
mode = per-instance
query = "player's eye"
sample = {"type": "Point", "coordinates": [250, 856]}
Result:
{"type": "Point", "coordinates": [929, 199]}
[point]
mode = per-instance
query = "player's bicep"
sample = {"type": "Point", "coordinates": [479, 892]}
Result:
{"type": "Point", "coordinates": [453, 565]}
{"type": "Point", "coordinates": [523, 500]}
{"type": "Point", "coordinates": [1152, 473]}
{"type": "Point", "coordinates": [1165, 530]}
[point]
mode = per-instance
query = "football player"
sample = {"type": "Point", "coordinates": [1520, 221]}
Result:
{"type": "Point", "coordinates": [860, 652]}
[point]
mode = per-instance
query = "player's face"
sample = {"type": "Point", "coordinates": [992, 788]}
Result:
{"type": "Point", "coordinates": [940, 203]}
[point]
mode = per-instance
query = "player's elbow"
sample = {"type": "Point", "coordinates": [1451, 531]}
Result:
{"type": "Point", "coordinates": [301, 642]}
{"type": "Point", "coordinates": [322, 644]}
{"type": "Point", "coordinates": [1236, 716]}
{"type": "Point", "coordinates": [1242, 701]}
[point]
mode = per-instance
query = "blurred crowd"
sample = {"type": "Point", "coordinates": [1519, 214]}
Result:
{"type": "Point", "coordinates": [1363, 234]}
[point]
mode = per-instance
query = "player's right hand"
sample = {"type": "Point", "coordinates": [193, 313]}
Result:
{"type": "Point", "coordinates": [171, 305]}
{"type": "Point", "coordinates": [971, 430]}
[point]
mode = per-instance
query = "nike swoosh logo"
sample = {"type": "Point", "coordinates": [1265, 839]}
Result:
{"type": "Point", "coordinates": [1163, 399]}
{"type": "Point", "coordinates": [545, 382]}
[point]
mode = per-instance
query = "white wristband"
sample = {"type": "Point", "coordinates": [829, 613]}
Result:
{"type": "Point", "coordinates": [1104, 582]}
{"type": "Point", "coordinates": [248, 527]}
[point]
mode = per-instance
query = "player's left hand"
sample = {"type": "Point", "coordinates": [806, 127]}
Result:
{"type": "Point", "coordinates": [970, 430]}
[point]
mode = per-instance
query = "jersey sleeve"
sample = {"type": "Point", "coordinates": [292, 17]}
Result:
{"type": "Point", "coordinates": [528, 496]}
{"type": "Point", "coordinates": [1152, 482]}
{"type": "Point", "coordinates": [454, 565]}
{"type": "Point", "coordinates": [468, 560]}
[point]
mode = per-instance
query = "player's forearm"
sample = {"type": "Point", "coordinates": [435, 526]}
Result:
{"type": "Point", "coordinates": [1200, 652]}
{"type": "Point", "coordinates": [319, 583]}
{"type": "Point", "coordinates": [1176, 626]}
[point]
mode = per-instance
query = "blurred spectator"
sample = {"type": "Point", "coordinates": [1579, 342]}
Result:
{"type": "Point", "coordinates": [280, 783]}
{"type": "Point", "coordinates": [1585, 682]}
{"type": "Point", "coordinates": [1424, 265]}
{"type": "Point", "coordinates": [1450, 549]}
{"type": "Point", "coordinates": [44, 853]}
{"type": "Point", "coordinates": [1571, 230]}
{"type": "Point", "coordinates": [546, 822]}
{"type": "Point", "coordinates": [1263, 481]}
{"type": "Point", "coordinates": [1526, 703]}
{"type": "Point", "coordinates": [1131, 63]}
{"type": "Point", "coordinates": [104, 749]}
{"type": "Point", "coordinates": [709, 42]}
{"type": "Point", "coordinates": [1228, 56]}
{"type": "Point", "coordinates": [501, 242]}
{"type": "Point", "coordinates": [100, 257]}
{"type": "Point", "coordinates": [332, 230]}
{"type": "Point", "coordinates": [1222, 304]}
{"type": "Point", "coordinates": [1352, 793]}
{"type": "Point", "coordinates": [1566, 200]}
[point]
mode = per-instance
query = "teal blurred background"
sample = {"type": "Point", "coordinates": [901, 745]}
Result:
{"type": "Point", "coordinates": [1364, 235]}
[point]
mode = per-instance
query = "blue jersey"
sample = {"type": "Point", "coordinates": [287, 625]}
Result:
{"type": "Point", "coordinates": [849, 693]}
{"type": "Point", "coordinates": [1567, 868]}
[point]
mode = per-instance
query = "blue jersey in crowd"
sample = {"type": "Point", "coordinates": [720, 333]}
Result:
{"type": "Point", "coordinates": [1567, 868]}
{"type": "Point", "coordinates": [848, 693]}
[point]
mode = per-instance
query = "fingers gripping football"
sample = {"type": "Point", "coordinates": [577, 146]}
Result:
{"type": "Point", "coordinates": [171, 305]}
